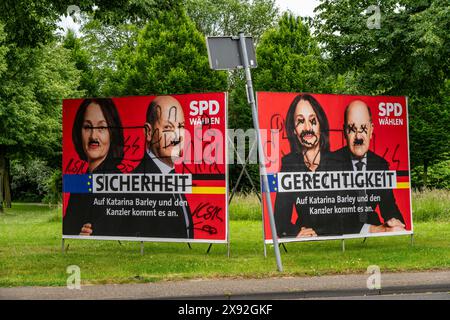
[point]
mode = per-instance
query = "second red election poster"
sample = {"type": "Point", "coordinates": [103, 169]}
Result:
{"type": "Point", "coordinates": [337, 165]}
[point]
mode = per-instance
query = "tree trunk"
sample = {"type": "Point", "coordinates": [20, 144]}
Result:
{"type": "Point", "coordinates": [425, 174]}
{"type": "Point", "coordinates": [2, 177]}
{"type": "Point", "coordinates": [7, 185]}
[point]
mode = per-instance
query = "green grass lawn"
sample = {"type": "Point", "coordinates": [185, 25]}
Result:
{"type": "Point", "coordinates": [30, 252]}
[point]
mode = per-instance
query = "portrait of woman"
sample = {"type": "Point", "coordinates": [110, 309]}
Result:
{"type": "Point", "coordinates": [97, 136]}
{"type": "Point", "coordinates": [307, 130]}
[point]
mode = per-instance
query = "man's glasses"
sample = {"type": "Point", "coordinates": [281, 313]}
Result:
{"type": "Point", "coordinates": [352, 128]}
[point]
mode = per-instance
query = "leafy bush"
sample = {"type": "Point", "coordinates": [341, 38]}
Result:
{"type": "Point", "coordinates": [438, 176]}
{"type": "Point", "coordinates": [35, 181]}
{"type": "Point", "coordinates": [53, 188]}
{"type": "Point", "coordinates": [28, 179]}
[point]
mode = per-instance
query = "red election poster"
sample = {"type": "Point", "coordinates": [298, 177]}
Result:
{"type": "Point", "coordinates": [146, 168]}
{"type": "Point", "coordinates": [337, 165]}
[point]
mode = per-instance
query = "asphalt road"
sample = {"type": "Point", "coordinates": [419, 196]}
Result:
{"type": "Point", "coordinates": [420, 285]}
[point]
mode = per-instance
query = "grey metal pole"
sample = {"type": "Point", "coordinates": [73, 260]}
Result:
{"type": "Point", "coordinates": [252, 102]}
{"type": "Point", "coordinates": [263, 232]}
{"type": "Point", "coordinates": [62, 246]}
{"type": "Point", "coordinates": [343, 245]}
{"type": "Point", "coordinates": [142, 248]}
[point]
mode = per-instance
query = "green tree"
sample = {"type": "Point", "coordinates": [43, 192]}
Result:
{"type": "Point", "coordinates": [229, 17]}
{"type": "Point", "coordinates": [289, 59]}
{"type": "Point", "coordinates": [429, 131]}
{"type": "Point", "coordinates": [83, 59]}
{"type": "Point", "coordinates": [406, 54]}
{"type": "Point", "coordinates": [137, 12]}
{"type": "Point", "coordinates": [170, 57]}
{"type": "Point", "coordinates": [30, 23]}
{"type": "Point", "coordinates": [33, 86]}
{"type": "Point", "coordinates": [30, 102]}
{"type": "Point", "coordinates": [36, 73]}
{"type": "Point", "coordinates": [96, 51]}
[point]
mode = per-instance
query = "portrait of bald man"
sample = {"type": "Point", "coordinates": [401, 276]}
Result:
{"type": "Point", "coordinates": [356, 156]}
{"type": "Point", "coordinates": [164, 135]}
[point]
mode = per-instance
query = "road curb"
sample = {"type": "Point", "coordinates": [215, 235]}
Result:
{"type": "Point", "coordinates": [283, 295]}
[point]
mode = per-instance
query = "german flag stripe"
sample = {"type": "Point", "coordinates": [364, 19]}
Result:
{"type": "Point", "coordinates": [402, 185]}
{"type": "Point", "coordinates": [209, 190]}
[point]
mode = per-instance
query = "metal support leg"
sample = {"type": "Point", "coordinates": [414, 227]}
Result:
{"type": "Point", "coordinates": [412, 240]}
{"type": "Point", "coordinates": [364, 240]}
{"type": "Point", "coordinates": [240, 174]}
{"type": "Point", "coordinates": [228, 250]}
{"type": "Point", "coordinates": [189, 245]}
{"type": "Point", "coordinates": [343, 245]}
{"type": "Point", "coordinates": [251, 181]}
{"type": "Point", "coordinates": [263, 231]}
{"type": "Point", "coordinates": [63, 250]}
{"type": "Point", "coordinates": [209, 248]}
{"type": "Point", "coordinates": [142, 248]}
{"type": "Point", "coordinates": [244, 170]}
{"type": "Point", "coordinates": [284, 247]}
{"type": "Point", "coordinates": [120, 243]}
